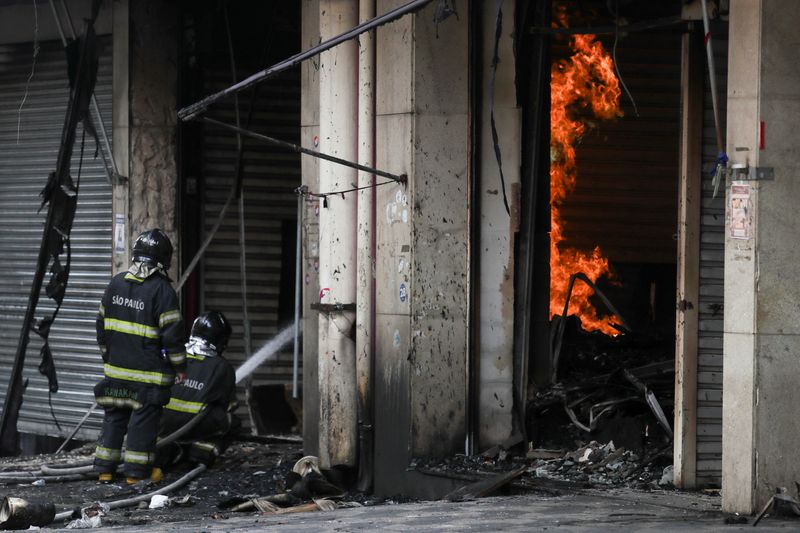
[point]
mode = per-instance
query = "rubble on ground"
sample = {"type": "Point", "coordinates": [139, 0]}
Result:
{"type": "Point", "coordinates": [248, 470]}
{"type": "Point", "coordinates": [604, 423]}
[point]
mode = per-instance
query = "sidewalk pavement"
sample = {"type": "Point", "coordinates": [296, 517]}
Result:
{"type": "Point", "coordinates": [588, 510]}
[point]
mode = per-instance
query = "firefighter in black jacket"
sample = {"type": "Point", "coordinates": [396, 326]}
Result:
{"type": "Point", "coordinates": [208, 391]}
{"type": "Point", "coordinates": [140, 334]}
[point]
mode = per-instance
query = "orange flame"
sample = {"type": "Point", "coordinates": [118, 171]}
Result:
{"type": "Point", "coordinates": [584, 81]}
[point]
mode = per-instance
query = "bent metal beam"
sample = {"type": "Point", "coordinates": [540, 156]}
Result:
{"type": "Point", "coordinates": [192, 111]}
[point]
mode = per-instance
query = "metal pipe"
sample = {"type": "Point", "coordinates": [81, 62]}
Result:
{"type": "Point", "coordinates": [95, 106]}
{"type": "Point", "coordinates": [531, 277]}
{"type": "Point", "coordinates": [475, 85]}
{"type": "Point", "coordinates": [128, 502]}
{"type": "Point", "coordinates": [189, 112]}
{"type": "Point", "coordinates": [298, 274]}
{"type": "Point", "coordinates": [83, 467]}
{"type": "Point", "coordinates": [248, 349]}
{"type": "Point", "coordinates": [338, 104]}
{"type": "Point", "coordinates": [239, 184]}
{"type": "Point", "coordinates": [712, 78]}
{"type": "Point", "coordinates": [77, 427]}
{"type": "Point", "coordinates": [365, 248]}
{"type": "Point", "coordinates": [307, 151]}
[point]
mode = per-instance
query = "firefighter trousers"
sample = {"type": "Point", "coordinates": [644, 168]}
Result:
{"type": "Point", "coordinates": [141, 425]}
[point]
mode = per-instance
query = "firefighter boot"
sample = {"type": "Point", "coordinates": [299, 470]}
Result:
{"type": "Point", "coordinates": [156, 476]}
{"type": "Point", "coordinates": [105, 477]}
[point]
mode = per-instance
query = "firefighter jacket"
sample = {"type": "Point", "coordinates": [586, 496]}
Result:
{"type": "Point", "coordinates": [210, 382]}
{"type": "Point", "coordinates": [140, 332]}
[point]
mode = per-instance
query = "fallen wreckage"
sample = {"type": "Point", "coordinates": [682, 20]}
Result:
{"type": "Point", "coordinates": [304, 488]}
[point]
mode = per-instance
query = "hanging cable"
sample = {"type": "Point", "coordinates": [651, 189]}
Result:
{"type": "Point", "coordinates": [302, 191]}
{"type": "Point", "coordinates": [495, 138]}
{"type": "Point", "coordinates": [614, 57]}
{"type": "Point", "coordinates": [233, 192]}
{"type": "Point", "coordinates": [33, 66]}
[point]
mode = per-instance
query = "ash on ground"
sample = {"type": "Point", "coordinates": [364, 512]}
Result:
{"type": "Point", "coordinates": [246, 470]}
{"type": "Point", "coordinates": [603, 422]}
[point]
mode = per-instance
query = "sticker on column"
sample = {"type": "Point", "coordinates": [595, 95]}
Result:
{"type": "Point", "coordinates": [324, 292]}
{"type": "Point", "coordinates": [119, 234]}
{"type": "Point", "coordinates": [395, 211]}
{"type": "Point", "coordinates": [396, 340]}
{"type": "Point", "coordinates": [401, 265]}
{"type": "Point", "coordinates": [740, 208]}
{"type": "Point", "coordinates": [403, 292]}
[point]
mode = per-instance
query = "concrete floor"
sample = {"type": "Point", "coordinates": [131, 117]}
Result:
{"type": "Point", "coordinates": [590, 510]}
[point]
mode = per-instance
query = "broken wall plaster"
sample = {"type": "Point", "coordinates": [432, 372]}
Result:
{"type": "Point", "coordinates": [153, 185]}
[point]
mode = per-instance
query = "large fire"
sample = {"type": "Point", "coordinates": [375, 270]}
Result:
{"type": "Point", "coordinates": [584, 81]}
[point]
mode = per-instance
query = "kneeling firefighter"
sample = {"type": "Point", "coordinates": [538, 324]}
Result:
{"type": "Point", "coordinates": [140, 334]}
{"type": "Point", "coordinates": [208, 392]}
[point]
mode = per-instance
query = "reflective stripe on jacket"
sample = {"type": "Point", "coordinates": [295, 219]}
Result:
{"type": "Point", "coordinates": [210, 382]}
{"type": "Point", "coordinates": [140, 330]}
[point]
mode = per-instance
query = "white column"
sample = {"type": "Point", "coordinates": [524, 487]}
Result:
{"type": "Point", "coordinates": [337, 237]}
{"type": "Point", "coordinates": [365, 238]}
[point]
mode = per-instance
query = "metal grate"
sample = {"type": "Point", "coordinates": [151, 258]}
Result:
{"type": "Point", "coordinates": [24, 167]}
{"type": "Point", "coordinates": [712, 273]}
{"type": "Point", "coordinates": [270, 177]}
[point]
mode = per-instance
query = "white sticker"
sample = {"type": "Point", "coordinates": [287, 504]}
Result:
{"type": "Point", "coordinates": [119, 234]}
{"type": "Point", "coordinates": [401, 265]}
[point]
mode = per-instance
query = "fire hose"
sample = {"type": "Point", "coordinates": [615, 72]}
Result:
{"type": "Point", "coordinates": [77, 470]}
{"type": "Point", "coordinates": [128, 502]}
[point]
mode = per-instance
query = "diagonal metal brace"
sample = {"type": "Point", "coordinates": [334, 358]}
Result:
{"type": "Point", "coordinates": [557, 336]}
{"type": "Point", "coordinates": [402, 179]}
{"type": "Point", "coordinates": [191, 111]}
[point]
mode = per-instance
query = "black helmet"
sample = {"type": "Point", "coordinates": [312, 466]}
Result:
{"type": "Point", "coordinates": [211, 329]}
{"type": "Point", "coordinates": [153, 247]}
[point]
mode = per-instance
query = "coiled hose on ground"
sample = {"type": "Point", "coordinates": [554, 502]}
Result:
{"type": "Point", "coordinates": [77, 470]}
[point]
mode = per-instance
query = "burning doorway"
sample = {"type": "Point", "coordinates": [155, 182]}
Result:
{"type": "Point", "coordinates": [613, 159]}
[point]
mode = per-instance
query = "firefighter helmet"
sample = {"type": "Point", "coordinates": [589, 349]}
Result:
{"type": "Point", "coordinates": [210, 331]}
{"type": "Point", "coordinates": [153, 247]}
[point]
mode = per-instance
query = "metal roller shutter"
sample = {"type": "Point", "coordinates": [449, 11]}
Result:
{"type": "Point", "coordinates": [626, 195]}
{"type": "Point", "coordinates": [712, 272]}
{"type": "Point", "coordinates": [270, 177]}
{"type": "Point", "coordinates": [24, 167]}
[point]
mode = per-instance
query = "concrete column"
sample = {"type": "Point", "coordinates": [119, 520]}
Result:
{"type": "Point", "coordinates": [498, 230]}
{"type": "Point", "coordinates": [762, 296]}
{"type": "Point", "coordinates": [338, 98]}
{"type": "Point", "coordinates": [309, 135]}
{"type": "Point", "coordinates": [421, 233]}
{"type": "Point", "coordinates": [438, 203]}
{"type": "Point", "coordinates": [153, 99]}
{"type": "Point", "coordinates": [365, 312]}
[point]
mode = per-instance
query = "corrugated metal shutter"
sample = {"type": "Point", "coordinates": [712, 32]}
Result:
{"type": "Point", "coordinates": [625, 200]}
{"type": "Point", "coordinates": [712, 271]}
{"type": "Point", "coordinates": [270, 177]}
{"type": "Point", "coordinates": [24, 167]}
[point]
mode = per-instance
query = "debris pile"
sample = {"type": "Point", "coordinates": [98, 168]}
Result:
{"type": "Point", "coordinates": [605, 464]}
{"type": "Point", "coordinates": [251, 472]}
{"type": "Point", "coordinates": [606, 420]}
{"type": "Point", "coordinates": [607, 390]}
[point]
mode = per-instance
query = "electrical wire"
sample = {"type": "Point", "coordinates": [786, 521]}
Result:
{"type": "Point", "coordinates": [495, 137]}
{"type": "Point", "coordinates": [614, 57]}
{"type": "Point", "coordinates": [33, 66]}
{"type": "Point", "coordinates": [302, 192]}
